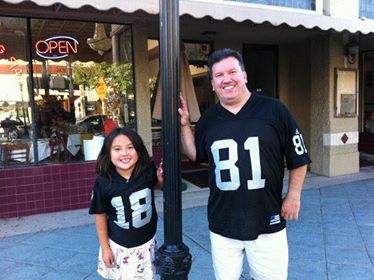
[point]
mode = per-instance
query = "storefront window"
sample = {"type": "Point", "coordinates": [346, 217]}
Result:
{"type": "Point", "coordinates": [82, 86]}
{"type": "Point", "coordinates": [14, 99]}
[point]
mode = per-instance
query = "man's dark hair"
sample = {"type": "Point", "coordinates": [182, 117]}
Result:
{"type": "Point", "coordinates": [221, 54]}
{"type": "Point", "coordinates": [104, 165]}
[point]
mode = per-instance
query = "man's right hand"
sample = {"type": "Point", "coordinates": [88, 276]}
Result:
{"type": "Point", "coordinates": [187, 136]}
{"type": "Point", "coordinates": [183, 112]}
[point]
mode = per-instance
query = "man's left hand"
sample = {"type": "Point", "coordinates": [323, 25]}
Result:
{"type": "Point", "coordinates": [291, 207]}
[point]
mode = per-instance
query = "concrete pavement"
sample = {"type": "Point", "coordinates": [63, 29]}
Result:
{"type": "Point", "coordinates": [333, 239]}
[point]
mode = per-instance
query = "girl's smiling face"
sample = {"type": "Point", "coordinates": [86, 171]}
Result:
{"type": "Point", "coordinates": [123, 155]}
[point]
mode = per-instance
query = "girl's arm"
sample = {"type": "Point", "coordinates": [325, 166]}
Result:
{"type": "Point", "coordinates": [102, 234]}
{"type": "Point", "coordinates": [160, 177]}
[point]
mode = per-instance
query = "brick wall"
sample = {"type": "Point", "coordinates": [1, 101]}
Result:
{"type": "Point", "coordinates": [43, 189]}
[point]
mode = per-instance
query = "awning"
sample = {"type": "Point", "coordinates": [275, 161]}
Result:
{"type": "Point", "coordinates": [221, 9]}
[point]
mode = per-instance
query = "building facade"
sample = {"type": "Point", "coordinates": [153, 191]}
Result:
{"type": "Point", "coordinates": [68, 67]}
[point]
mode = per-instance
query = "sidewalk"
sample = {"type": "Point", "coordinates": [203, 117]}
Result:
{"type": "Point", "coordinates": [333, 239]}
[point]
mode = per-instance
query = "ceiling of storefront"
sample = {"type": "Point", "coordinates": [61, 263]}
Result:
{"type": "Point", "coordinates": [41, 27]}
{"type": "Point", "coordinates": [13, 32]}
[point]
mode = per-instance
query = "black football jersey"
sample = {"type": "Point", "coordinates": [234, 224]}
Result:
{"type": "Point", "coordinates": [130, 206]}
{"type": "Point", "coordinates": [247, 153]}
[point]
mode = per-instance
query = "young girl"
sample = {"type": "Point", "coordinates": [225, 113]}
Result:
{"type": "Point", "coordinates": [123, 202]}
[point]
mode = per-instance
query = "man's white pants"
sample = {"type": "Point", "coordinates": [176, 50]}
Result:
{"type": "Point", "coordinates": [267, 256]}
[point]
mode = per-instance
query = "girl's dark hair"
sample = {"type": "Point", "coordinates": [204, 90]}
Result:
{"type": "Point", "coordinates": [221, 54]}
{"type": "Point", "coordinates": [104, 165]}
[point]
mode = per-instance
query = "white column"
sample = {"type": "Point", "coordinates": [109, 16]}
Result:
{"type": "Point", "coordinates": [342, 8]}
{"type": "Point", "coordinates": [333, 147]}
{"type": "Point", "coordinates": [319, 6]}
{"type": "Point", "coordinates": [143, 100]}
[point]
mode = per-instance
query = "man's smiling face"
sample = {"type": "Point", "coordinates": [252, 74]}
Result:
{"type": "Point", "coordinates": [228, 81]}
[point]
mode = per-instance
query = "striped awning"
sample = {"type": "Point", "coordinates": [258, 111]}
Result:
{"type": "Point", "coordinates": [224, 9]}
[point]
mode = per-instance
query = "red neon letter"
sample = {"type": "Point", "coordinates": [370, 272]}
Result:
{"type": "Point", "coordinates": [74, 48]}
{"type": "Point", "coordinates": [45, 46]}
{"type": "Point", "coordinates": [2, 49]}
{"type": "Point", "coordinates": [52, 45]}
{"type": "Point", "coordinates": [62, 48]}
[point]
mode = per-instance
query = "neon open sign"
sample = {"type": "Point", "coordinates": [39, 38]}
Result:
{"type": "Point", "coordinates": [56, 47]}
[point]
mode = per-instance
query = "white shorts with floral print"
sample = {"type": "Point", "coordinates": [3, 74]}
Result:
{"type": "Point", "coordinates": [130, 263]}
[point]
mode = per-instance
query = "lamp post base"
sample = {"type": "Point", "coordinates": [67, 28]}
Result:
{"type": "Point", "coordinates": [174, 262]}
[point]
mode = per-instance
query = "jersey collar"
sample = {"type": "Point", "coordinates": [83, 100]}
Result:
{"type": "Point", "coordinates": [251, 100]}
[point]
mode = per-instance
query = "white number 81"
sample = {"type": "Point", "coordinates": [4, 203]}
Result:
{"type": "Point", "coordinates": [252, 145]}
{"type": "Point", "coordinates": [298, 141]}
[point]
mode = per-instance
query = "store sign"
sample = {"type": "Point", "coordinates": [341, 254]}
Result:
{"type": "Point", "coordinates": [3, 53]}
{"type": "Point", "coordinates": [56, 47]}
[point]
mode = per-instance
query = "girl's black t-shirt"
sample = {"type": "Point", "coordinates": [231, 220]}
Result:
{"type": "Point", "coordinates": [129, 205]}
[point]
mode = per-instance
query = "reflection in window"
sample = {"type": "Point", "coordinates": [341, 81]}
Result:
{"type": "Point", "coordinates": [81, 82]}
{"type": "Point", "coordinates": [14, 99]}
{"type": "Point", "coordinates": [299, 4]}
{"type": "Point", "coordinates": [366, 9]}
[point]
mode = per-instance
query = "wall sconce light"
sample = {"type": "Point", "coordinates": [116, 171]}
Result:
{"type": "Point", "coordinates": [351, 50]}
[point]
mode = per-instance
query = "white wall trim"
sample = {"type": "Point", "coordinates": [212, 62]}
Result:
{"type": "Point", "coordinates": [337, 139]}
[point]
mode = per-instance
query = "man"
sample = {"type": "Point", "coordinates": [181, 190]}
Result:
{"type": "Point", "coordinates": [369, 123]}
{"type": "Point", "coordinates": [246, 138]}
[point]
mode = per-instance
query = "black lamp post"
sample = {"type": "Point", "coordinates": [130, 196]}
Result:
{"type": "Point", "coordinates": [173, 257]}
